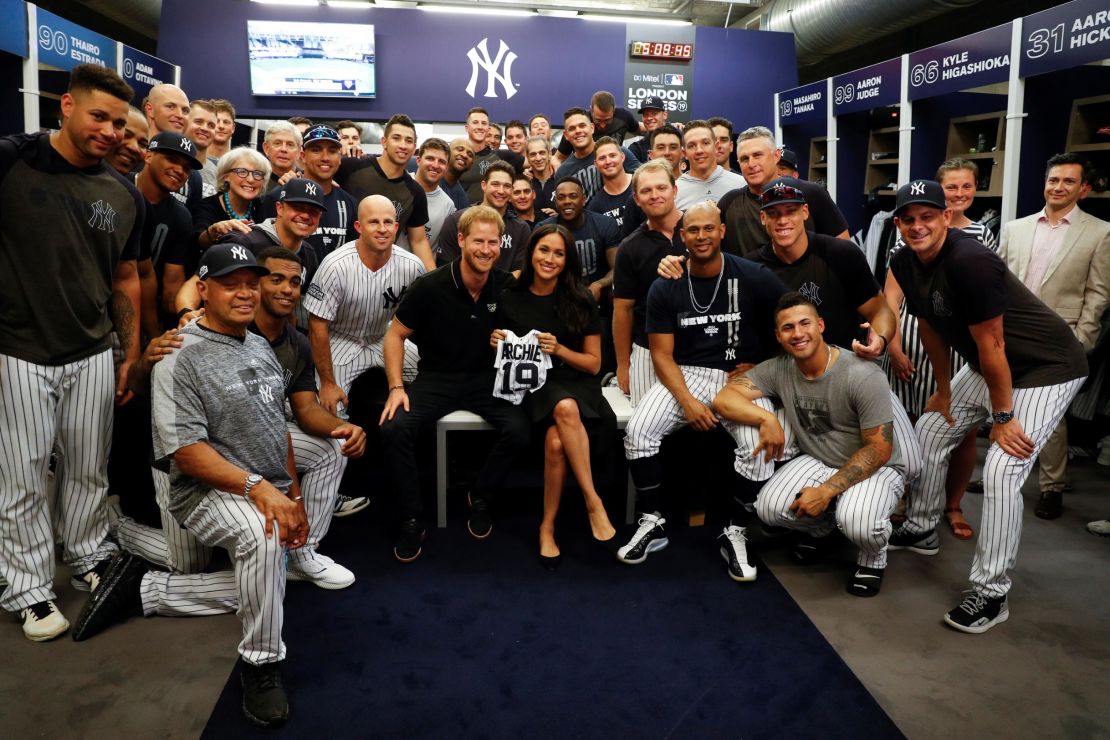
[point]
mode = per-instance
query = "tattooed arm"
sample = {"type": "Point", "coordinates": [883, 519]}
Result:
{"type": "Point", "coordinates": [124, 311]}
{"type": "Point", "coordinates": [878, 443]}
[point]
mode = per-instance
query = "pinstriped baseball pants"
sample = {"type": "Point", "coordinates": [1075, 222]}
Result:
{"type": "Point", "coordinates": [72, 403]}
{"type": "Point", "coordinates": [1039, 410]}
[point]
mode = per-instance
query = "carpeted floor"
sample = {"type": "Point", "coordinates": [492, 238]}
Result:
{"type": "Point", "coordinates": [475, 640]}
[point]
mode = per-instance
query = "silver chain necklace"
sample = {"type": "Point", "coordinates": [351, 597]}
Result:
{"type": "Point", "coordinates": [694, 301]}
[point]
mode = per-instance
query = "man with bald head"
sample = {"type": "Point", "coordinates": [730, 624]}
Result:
{"type": "Point", "coordinates": [352, 300]}
{"type": "Point", "coordinates": [167, 110]}
{"type": "Point", "coordinates": [715, 322]}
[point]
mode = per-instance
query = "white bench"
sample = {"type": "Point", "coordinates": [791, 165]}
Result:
{"type": "Point", "coordinates": [464, 421]}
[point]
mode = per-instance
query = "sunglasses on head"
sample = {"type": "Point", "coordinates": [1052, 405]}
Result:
{"type": "Point", "coordinates": [781, 192]}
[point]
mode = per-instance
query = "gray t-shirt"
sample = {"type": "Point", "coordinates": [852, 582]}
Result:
{"type": "Point", "coordinates": [692, 191]}
{"type": "Point", "coordinates": [225, 391]}
{"type": "Point", "coordinates": [440, 206]}
{"type": "Point", "coordinates": [828, 413]}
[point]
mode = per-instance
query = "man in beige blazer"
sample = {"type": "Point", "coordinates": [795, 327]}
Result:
{"type": "Point", "coordinates": [1063, 255]}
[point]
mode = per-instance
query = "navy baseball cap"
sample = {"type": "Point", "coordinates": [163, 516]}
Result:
{"type": "Point", "coordinates": [790, 158]}
{"type": "Point", "coordinates": [300, 190]}
{"type": "Point", "coordinates": [654, 102]}
{"type": "Point", "coordinates": [320, 132]}
{"type": "Point", "coordinates": [224, 258]}
{"type": "Point", "coordinates": [923, 192]}
{"type": "Point", "coordinates": [782, 190]}
{"type": "Point", "coordinates": [169, 142]}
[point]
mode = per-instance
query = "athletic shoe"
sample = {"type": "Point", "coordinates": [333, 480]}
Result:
{"type": "Point", "coordinates": [321, 570]}
{"type": "Point", "coordinates": [479, 523]}
{"type": "Point", "coordinates": [735, 553]}
{"type": "Point", "coordinates": [648, 538]}
{"type": "Point", "coordinates": [89, 580]}
{"type": "Point", "coordinates": [347, 505]}
{"type": "Point", "coordinates": [810, 550]}
{"type": "Point", "coordinates": [116, 599]}
{"type": "Point", "coordinates": [43, 621]}
{"type": "Point", "coordinates": [1101, 527]}
{"type": "Point", "coordinates": [408, 548]}
{"type": "Point", "coordinates": [264, 700]}
{"type": "Point", "coordinates": [926, 543]}
{"type": "Point", "coordinates": [865, 581]}
{"type": "Point", "coordinates": [977, 613]}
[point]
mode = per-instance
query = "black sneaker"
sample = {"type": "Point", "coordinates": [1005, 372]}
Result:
{"type": "Point", "coordinates": [89, 580]}
{"type": "Point", "coordinates": [264, 700]}
{"type": "Point", "coordinates": [865, 581]}
{"type": "Point", "coordinates": [925, 543]}
{"type": "Point", "coordinates": [115, 599]}
{"type": "Point", "coordinates": [480, 523]}
{"type": "Point", "coordinates": [810, 550]}
{"type": "Point", "coordinates": [648, 538]}
{"type": "Point", "coordinates": [977, 613]}
{"type": "Point", "coordinates": [408, 548]}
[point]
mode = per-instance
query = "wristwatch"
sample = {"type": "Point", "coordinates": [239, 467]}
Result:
{"type": "Point", "coordinates": [252, 480]}
{"type": "Point", "coordinates": [1002, 417]}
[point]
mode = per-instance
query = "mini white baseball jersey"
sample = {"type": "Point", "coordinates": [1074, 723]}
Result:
{"type": "Point", "coordinates": [521, 366]}
{"type": "Point", "coordinates": [359, 302]}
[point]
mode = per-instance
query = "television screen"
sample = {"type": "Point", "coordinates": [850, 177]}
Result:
{"type": "Point", "coordinates": [323, 60]}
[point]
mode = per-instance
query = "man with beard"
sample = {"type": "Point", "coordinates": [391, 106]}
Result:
{"type": "Point", "coordinates": [579, 131]}
{"type": "Point", "coordinates": [497, 189]}
{"type": "Point", "coordinates": [461, 156]}
{"type": "Point", "coordinates": [431, 166]}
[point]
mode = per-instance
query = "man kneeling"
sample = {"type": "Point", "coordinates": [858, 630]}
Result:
{"type": "Point", "coordinates": [837, 410]}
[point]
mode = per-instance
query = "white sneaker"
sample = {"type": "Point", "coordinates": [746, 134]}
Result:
{"type": "Point", "coordinates": [1101, 527]}
{"type": "Point", "coordinates": [43, 621]}
{"type": "Point", "coordinates": [347, 505]}
{"type": "Point", "coordinates": [648, 539]}
{"type": "Point", "coordinates": [321, 570]}
{"type": "Point", "coordinates": [735, 553]}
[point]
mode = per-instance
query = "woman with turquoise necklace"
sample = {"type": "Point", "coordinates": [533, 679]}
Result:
{"type": "Point", "coordinates": [242, 174]}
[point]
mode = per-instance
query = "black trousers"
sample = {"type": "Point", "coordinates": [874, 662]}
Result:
{"type": "Point", "coordinates": [432, 396]}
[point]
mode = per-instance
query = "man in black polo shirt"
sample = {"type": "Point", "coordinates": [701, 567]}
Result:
{"type": "Point", "coordinates": [758, 157]}
{"type": "Point", "coordinates": [65, 289]}
{"type": "Point", "coordinates": [477, 130]}
{"type": "Point", "coordinates": [596, 236]}
{"type": "Point", "coordinates": [1023, 371]}
{"type": "Point", "coordinates": [654, 114]}
{"type": "Point", "coordinates": [497, 189]}
{"type": "Point", "coordinates": [614, 198]}
{"type": "Point", "coordinates": [635, 270]}
{"type": "Point", "coordinates": [386, 175]}
{"type": "Point", "coordinates": [449, 315]}
{"type": "Point", "coordinates": [320, 156]}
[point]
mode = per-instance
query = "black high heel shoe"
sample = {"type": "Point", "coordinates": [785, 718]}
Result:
{"type": "Point", "coordinates": [550, 564]}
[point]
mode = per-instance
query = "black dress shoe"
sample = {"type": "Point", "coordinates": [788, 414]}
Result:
{"type": "Point", "coordinates": [1050, 506]}
{"type": "Point", "coordinates": [551, 564]}
{"type": "Point", "coordinates": [116, 597]}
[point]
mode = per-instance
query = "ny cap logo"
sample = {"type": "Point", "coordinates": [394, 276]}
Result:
{"type": "Point", "coordinates": [480, 60]}
{"type": "Point", "coordinates": [239, 253]}
{"type": "Point", "coordinates": [202, 271]}
{"type": "Point", "coordinates": [917, 188]}
{"type": "Point", "coordinates": [186, 145]}
{"type": "Point", "coordinates": [310, 188]}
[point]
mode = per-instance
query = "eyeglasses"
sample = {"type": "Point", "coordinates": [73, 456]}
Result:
{"type": "Point", "coordinates": [780, 193]}
{"type": "Point", "coordinates": [243, 172]}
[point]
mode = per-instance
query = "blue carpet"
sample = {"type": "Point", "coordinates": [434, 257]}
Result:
{"type": "Point", "coordinates": [475, 640]}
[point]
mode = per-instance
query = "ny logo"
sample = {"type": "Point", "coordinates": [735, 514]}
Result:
{"type": "Point", "coordinates": [730, 354]}
{"type": "Point", "coordinates": [266, 392]}
{"type": "Point", "coordinates": [239, 253]}
{"type": "Point", "coordinates": [812, 291]}
{"type": "Point", "coordinates": [506, 241]}
{"type": "Point", "coordinates": [310, 188]}
{"type": "Point", "coordinates": [917, 188]}
{"type": "Point", "coordinates": [391, 299]}
{"type": "Point", "coordinates": [186, 145]}
{"type": "Point", "coordinates": [103, 217]}
{"type": "Point", "coordinates": [480, 59]}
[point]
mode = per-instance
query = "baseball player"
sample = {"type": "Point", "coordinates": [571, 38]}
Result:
{"type": "Point", "coordinates": [62, 298]}
{"type": "Point", "coordinates": [1023, 371]}
{"type": "Point", "coordinates": [356, 293]}
{"type": "Point", "coordinates": [838, 410]}
{"type": "Point", "coordinates": [701, 329]}
{"type": "Point", "coordinates": [219, 423]}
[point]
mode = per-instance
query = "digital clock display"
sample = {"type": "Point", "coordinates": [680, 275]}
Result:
{"type": "Point", "coordinates": [661, 50]}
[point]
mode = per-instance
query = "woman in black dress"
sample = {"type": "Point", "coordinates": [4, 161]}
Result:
{"type": "Point", "coordinates": [551, 299]}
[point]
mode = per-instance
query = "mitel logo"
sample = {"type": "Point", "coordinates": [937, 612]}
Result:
{"type": "Point", "coordinates": [480, 60]}
{"type": "Point", "coordinates": [673, 79]}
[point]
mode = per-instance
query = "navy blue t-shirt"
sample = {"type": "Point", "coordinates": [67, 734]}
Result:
{"type": "Point", "coordinates": [596, 234]}
{"type": "Point", "coordinates": [621, 208]}
{"type": "Point", "coordinates": [738, 325]}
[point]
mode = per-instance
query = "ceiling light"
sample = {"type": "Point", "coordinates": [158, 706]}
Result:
{"type": "Point", "coordinates": [633, 19]}
{"type": "Point", "coordinates": [313, 3]}
{"type": "Point", "coordinates": [352, 4]}
{"type": "Point", "coordinates": [466, 10]}
{"type": "Point", "coordinates": [552, 13]}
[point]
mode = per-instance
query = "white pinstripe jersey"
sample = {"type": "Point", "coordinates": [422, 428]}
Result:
{"type": "Point", "coordinates": [359, 302]}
